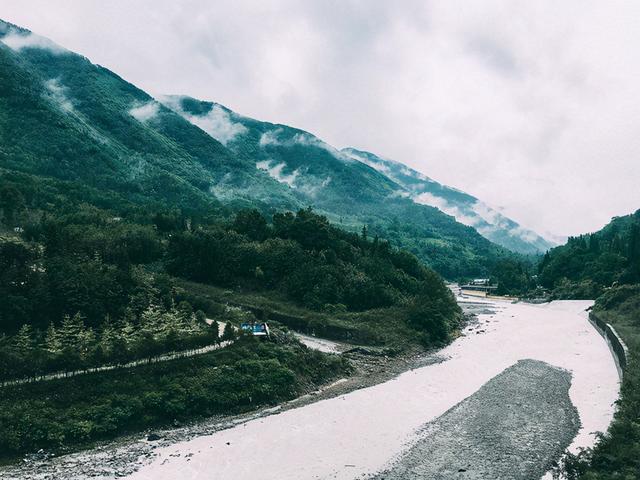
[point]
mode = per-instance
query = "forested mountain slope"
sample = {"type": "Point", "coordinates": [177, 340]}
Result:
{"type": "Point", "coordinates": [463, 207]}
{"type": "Point", "coordinates": [349, 191]}
{"type": "Point", "coordinates": [587, 264]}
{"type": "Point", "coordinates": [62, 116]}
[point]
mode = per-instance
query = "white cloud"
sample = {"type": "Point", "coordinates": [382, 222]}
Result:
{"type": "Point", "coordinates": [379, 166]}
{"type": "Point", "coordinates": [58, 94]}
{"type": "Point", "coordinates": [17, 41]}
{"type": "Point", "coordinates": [217, 122]}
{"type": "Point", "coordinates": [275, 172]}
{"type": "Point", "coordinates": [490, 215]}
{"type": "Point", "coordinates": [145, 111]}
{"type": "Point", "coordinates": [270, 137]}
{"type": "Point", "coordinates": [441, 204]}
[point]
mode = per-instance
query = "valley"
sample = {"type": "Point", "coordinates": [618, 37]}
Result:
{"type": "Point", "coordinates": [144, 238]}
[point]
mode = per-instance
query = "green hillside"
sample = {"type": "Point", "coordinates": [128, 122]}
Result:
{"type": "Point", "coordinates": [351, 193]}
{"type": "Point", "coordinates": [587, 264]}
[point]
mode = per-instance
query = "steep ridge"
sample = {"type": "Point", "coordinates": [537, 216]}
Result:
{"type": "Point", "coordinates": [64, 117]}
{"type": "Point", "coordinates": [349, 191]}
{"type": "Point", "coordinates": [464, 207]}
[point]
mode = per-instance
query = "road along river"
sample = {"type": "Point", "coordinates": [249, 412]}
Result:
{"type": "Point", "coordinates": [388, 427]}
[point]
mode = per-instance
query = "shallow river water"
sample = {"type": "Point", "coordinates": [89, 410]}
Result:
{"type": "Point", "coordinates": [357, 434]}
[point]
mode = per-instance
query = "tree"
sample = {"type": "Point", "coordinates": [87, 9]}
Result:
{"type": "Point", "coordinates": [229, 332]}
{"type": "Point", "coordinates": [252, 224]}
{"type": "Point", "coordinates": [24, 341]}
{"type": "Point", "coordinates": [71, 330]}
{"type": "Point", "coordinates": [214, 331]}
{"type": "Point", "coordinates": [11, 202]}
{"type": "Point", "coordinates": [52, 340]}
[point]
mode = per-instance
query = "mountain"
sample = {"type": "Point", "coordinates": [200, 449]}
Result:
{"type": "Point", "coordinates": [286, 154]}
{"type": "Point", "coordinates": [464, 207]}
{"type": "Point", "coordinates": [348, 191]}
{"type": "Point", "coordinates": [64, 118]}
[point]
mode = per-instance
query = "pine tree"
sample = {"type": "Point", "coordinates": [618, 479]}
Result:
{"type": "Point", "coordinates": [129, 332]}
{"type": "Point", "coordinates": [24, 340]}
{"type": "Point", "coordinates": [107, 337]}
{"type": "Point", "coordinates": [151, 321]}
{"type": "Point", "coordinates": [215, 330]}
{"type": "Point", "coordinates": [86, 342]}
{"type": "Point", "coordinates": [70, 331]}
{"type": "Point", "coordinates": [52, 341]}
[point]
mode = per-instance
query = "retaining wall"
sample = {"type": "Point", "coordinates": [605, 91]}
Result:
{"type": "Point", "coordinates": [617, 345]}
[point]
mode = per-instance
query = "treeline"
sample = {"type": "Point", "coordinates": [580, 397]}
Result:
{"type": "Point", "coordinates": [74, 346]}
{"type": "Point", "coordinates": [302, 255]}
{"type": "Point", "coordinates": [616, 454]}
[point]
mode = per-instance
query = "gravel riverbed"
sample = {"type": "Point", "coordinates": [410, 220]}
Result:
{"type": "Point", "coordinates": [513, 428]}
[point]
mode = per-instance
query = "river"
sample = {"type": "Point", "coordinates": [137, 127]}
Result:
{"type": "Point", "coordinates": [358, 434]}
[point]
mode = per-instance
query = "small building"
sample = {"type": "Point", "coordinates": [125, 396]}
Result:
{"type": "Point", "coordinates": [256, 329]}
{"type": "Point", "coordinates": [479, 287]}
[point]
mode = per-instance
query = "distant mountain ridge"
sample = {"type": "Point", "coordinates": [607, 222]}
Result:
{"type": "Point", "coordinates": [64, 118]}
{"type": "Point", "coordinates": [464, 207]}
{"type": "Point", "coordinates": [262, 139]}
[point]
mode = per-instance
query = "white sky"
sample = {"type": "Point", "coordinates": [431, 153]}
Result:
{"type": "Point", "coordinates": [532, 106]}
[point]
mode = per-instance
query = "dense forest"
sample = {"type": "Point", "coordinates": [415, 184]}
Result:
{"type": "Point", "coordinates": [88, 267]}
{"type": "Point", "coordinates": [586, 265]}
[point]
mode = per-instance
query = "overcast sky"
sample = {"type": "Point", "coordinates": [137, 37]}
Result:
{"type": "Point", "coordinates": [532, 106]}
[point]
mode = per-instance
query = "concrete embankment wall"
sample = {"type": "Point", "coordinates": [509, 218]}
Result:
{"type": "Point", "coordinates": [618, 347]}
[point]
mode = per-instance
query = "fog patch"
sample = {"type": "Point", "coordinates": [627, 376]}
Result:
{"type": "Point", "coordinates": [143, 112]}
{"type": "Point", "coordinates": [310, 187]}
{"type": "Point", "coordinates": [490, 215]}
{"type": "Point", "coordinates": [441, 204]}
{"type": "Point", "coordinates": [57, 93]}
{"type": "Point", "coordinates": [273, 138]}
{"type": "Point", "coordinates": [16, 41]}
{"type": "Point", "coordinates": [400, 194]}
{"type": "Point", "coordinates": [379, 166]}
{"type": "Point", "coordinates": [524, 234]}
{"type": "Point", "coordinates": [217, 122]}
{"type": "Point", "coordinates": [276, 172]}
